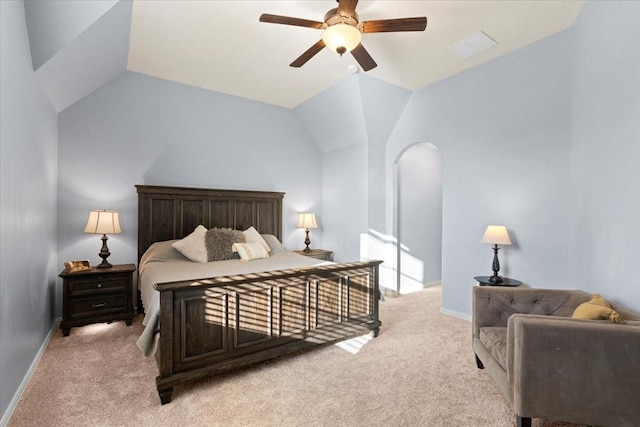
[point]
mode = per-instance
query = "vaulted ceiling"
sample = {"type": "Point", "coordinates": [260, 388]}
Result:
{"type": "Point", "coordinates": [221, 46]}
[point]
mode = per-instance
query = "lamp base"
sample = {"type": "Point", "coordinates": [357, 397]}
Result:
{"type": "Point", "coordinates": [307, 242]}
{"type": "Point", "coordinates": [104, 253]}
{"type": "Point", "coordinates": [496, 266]}
{"type": "Point", "coordinates": [104, 264]}
{"type": "Point", "coordinates": [495, 279]}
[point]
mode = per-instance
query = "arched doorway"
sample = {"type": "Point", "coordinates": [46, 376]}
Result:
{"type": "Point", "coordinates": [418, 217]}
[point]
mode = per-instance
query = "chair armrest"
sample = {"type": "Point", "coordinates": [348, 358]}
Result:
{"type": "Point", "coordinates": [574, 370]}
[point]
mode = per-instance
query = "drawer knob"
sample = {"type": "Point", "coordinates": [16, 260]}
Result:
{"type": "Point", "coordinates": [99, 305]}
{"type": "Point", "coordinates": [99, 285]}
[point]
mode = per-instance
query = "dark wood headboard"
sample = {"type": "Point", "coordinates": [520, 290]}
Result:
{"type": "Point", "coordinates": [166, 213]}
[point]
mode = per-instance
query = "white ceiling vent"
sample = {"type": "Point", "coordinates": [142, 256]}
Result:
{"type": "Point", "coordinates": [472, 45]}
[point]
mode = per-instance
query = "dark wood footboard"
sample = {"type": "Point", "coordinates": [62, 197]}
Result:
{"type": "Point", "coordinates": [215, 325]}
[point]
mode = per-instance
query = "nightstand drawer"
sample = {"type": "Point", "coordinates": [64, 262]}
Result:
{"type": "Point", "coordinates": [94, 307]}
{"type": "Point", "coordinates": [97, 285]}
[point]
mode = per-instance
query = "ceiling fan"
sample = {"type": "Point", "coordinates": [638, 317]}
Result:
{"type": "Point", "coordinates": [343, 31]}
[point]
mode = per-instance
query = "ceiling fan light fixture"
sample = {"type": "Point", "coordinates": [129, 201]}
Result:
{"type": "Point", "coordinates": [341, 38]}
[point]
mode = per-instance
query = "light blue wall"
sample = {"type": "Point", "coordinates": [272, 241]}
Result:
{"type": "Point", "coordinates": [605, 143]}
{"type": "Point", "coordinates": [382, 105]}
{"type": "Point", "coordinates": [418, 190]}
{"type": "Point", "coordinates": [502, 129]}
{"type": "Point", "coordinates": [144, 130]}
{"type": "Point", "coordinates": [351, 122]}
{"type": "Point", "coordinates": [333, 118]}
{"type": "Point", "coordinates": [335, 122]}
{"type": "Point", "coordinates": [53, 25]}
{"type": "Point", "coordinates": [28, 263]}
{"type": "Point", "coordinates": [345, 201]}
{"type": "Point", "coordinates": [94, 58]}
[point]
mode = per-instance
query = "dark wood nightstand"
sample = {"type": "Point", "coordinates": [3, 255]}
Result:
{"type": "Point", "coordinates": [97, 295]}
{"type": "Point", "coordinates": [318, 253]}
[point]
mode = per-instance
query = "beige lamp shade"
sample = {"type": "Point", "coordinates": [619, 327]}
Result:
{"type": "Point", "coordinates": [307, 220]}
{"type": "Point", "coordinates": [103, 222]}
{"type": "Point", "coordinates": [496, 235]}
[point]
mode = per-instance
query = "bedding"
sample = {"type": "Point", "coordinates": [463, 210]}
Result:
{"type": "Point", "coordinates": [163, 263]}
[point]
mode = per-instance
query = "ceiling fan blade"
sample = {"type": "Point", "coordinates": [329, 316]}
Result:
{"type": "Point", "coordinates": [310, 53]}
{"type": "Point", "coordinates": [364, 59]}
{"type": "Point", "coordinates": [287, 20]}
{"type": "Point", "coordinates": [347, 7]}
{"type": "Point", "coordinates": [393, 25]}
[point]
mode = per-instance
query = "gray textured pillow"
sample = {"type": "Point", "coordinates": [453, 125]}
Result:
{"type": "Point", "coordinates": [219, 241]}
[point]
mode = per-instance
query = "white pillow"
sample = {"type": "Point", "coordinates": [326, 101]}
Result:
{"type": "Point", "coordinates": [193, 246]}
{"type": "Point", "coordinates": [275, 245]}
{"type": "Point", "coordinates": [249, 251]}
{"type": "Point", "coordinates": [251, 235]}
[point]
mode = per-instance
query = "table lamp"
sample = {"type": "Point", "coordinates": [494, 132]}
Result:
{"type": "Point", "coordinates": [103, 222]}
{"type": "Point", "coordinates": [307, 220]}
{"type": "Point", "coordinates": [496, 235]}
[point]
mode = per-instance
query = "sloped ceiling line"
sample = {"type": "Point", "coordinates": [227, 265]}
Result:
{"type": "Point", "coordinates": [89, 61]}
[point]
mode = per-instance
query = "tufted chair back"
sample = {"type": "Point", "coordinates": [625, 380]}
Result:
{"type": "Point", "coordinates": [499, 304]}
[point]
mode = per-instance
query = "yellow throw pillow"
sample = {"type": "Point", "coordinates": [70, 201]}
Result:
{"type": "Point", "coordinates": [597, 309]}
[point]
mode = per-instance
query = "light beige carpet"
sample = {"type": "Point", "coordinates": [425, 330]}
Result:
{"type": "Point", "coordinates": [420, 371]}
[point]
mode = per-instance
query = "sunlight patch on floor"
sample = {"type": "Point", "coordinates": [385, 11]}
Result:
{"type": "Point", "coordinates": [354, 345]}
{"type": "Point", "coordinates": [95, 328]}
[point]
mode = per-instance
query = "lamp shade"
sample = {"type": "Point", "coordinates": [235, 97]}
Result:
{"type": "Point", "coordinates": [307, 220]}
{"type": "Point", "coordinates": [103, 222]}
{"type": "Point", "coordinates": [497, 235]}
{"type": "Point", "coordinates": [341, 35]}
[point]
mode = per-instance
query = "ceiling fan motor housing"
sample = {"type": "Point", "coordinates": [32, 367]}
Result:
{"type": "Point", "coordinates": [333, 17]}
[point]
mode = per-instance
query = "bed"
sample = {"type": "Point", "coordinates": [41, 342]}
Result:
{"type": "Point", "coordinates": [203, 319]}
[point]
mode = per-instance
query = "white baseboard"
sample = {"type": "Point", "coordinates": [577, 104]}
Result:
{"type": "Point", "coordinates": [23, 385]}
{"type": "Point", "coordinates": [453, 313]}
{"type": "Point", "coordinates": [432, 284]}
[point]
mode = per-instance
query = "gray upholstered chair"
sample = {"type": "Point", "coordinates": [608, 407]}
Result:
{"type": "Point", "coordinates": [551, 366]}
